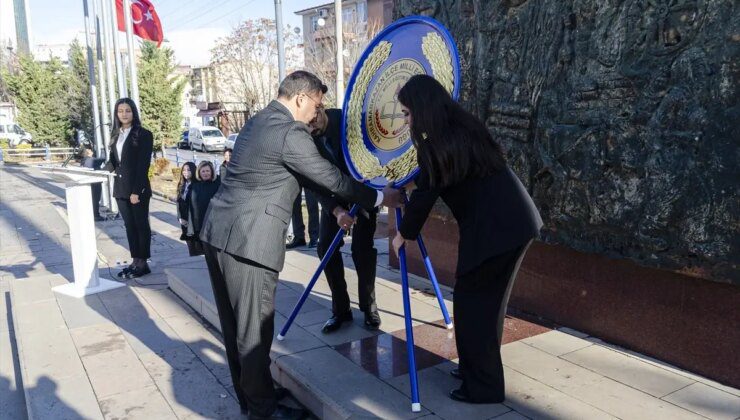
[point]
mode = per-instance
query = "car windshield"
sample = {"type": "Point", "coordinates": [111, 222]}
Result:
{"type": "Point", "coordinates": [212, 133]}
{"type": "Point", "coordinates": [232, 137]}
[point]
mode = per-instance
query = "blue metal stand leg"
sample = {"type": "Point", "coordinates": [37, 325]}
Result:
{"type": "Point", "coordinates": [315, 277]}
{"type": "Point", "coordinates": [415, 403]}
{"type": "Point", "coordinates": [435, 283]}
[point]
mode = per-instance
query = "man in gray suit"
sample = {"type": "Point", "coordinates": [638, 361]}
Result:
{"type": "Point", "coordinates": [245, 226]}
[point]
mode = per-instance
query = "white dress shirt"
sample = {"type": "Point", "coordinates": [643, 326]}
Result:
{"type": "Point", "coordinates": [121, 141]}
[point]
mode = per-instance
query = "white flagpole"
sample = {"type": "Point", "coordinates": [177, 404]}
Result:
{"type": "Point", "coordinates": [340, 52]}
{"type": "Point", "coordinates": [120, 75]}
{"type": "Point", "coordinates": [105, 24]}
{"type": "Point", "coordinates": [93, 85]}
{"type": "Point", "coordinates": [101, 76]}
{"type": "Point", "coordinates": [131, 55]}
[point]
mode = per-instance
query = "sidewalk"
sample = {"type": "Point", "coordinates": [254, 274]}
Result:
{"type": "Point", "coordinates": [144, 352]}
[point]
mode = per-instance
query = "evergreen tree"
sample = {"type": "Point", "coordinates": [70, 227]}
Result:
{"type": "Point", "coordinates": [160, 94]}
{"type": "Point", "coordinates": [80, 104]}
{"type": "Point", "coordinates": [40, 93]}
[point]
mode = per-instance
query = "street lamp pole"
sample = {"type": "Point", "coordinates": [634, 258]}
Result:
{"type": "Point", "coordinates": [340, 52]}
{"type": "Point", "coordinates": [280, 41]}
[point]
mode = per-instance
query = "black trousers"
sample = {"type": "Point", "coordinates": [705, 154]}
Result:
{"type": "Point", "coordinates": [96, 191]}
{"type": "Point", "coordinates": [364, 255]}
{"type": "Point", "coordinates": [245, 299]}
{"type": "Point", "coordinates": [312, 205]}
{"type": "Point", "coordinates": [138, 231]}
{"type": "Point", "coordinates": [480, 300]}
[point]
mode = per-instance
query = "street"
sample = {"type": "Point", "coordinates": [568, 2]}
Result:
{"type": "Point", "coordinates": [179, 156]}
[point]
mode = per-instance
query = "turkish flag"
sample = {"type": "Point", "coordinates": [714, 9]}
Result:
{"type": "Point", "coordinates": [145, 20]}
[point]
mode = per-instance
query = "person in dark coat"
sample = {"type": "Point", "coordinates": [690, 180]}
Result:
{"type": "Point", "coordinates": [130, 156]}
{"type": "Point", "coordinates": [461, 163]}
{"type": "Point", "coordinates": [334, 216]}
{"type": "Point", "coordinates": [90, 161]}
{"type": "Point", "coordinates": [184, 189]}
{"type": "Point", "coordinates": [201, 194]}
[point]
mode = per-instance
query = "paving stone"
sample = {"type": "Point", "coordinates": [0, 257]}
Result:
{"type": "Point", "coordinates": [434, 386]}
{"type": "Point", "coordinates": [145, 403]}
{"type": "Point", "coordinates": [556, 343]}
{"type": "Point", "coordinates": [337, 386]}
{"type": "Point", "coordinates": [31, 289]}
{"type": "Point", "coordinates": [188, 386]}
{"type": "Point", "coordinates": [63, 398]}
{"type": "Point", "coordinates": [12, 398]}
{"type": "Point", "coordinates": [164, 302]}
{"type": "Point", "coordinates": [297, 339]}
{"type": "Point", "coordinates": [318, 316]}
{"type": "Point", "coordinates": [511, 415]}
{"type": "Point", "coordinates": [83, 312]}
{"type": "Point", "coordinates": [285, 301]}
{"type": "Point", "coordinates": [629, 371]}
{"type": "Point", "coordinates": [51, 354]}
{"type": "Point", "coordinates": [707, 401]}
{"type": "Point", "coordinates": [98, 339]}
{"type": "Point", "coordinates": [115, 372]}
{"type": "Point", "coordinates": [346, 334]}
{"type": "Point", "coordinates": [127, 307]}
{"type": "Point", "coordinates": [601, 392]}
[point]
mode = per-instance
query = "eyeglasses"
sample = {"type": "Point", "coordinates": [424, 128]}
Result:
{"type": "Point", "coordinates": [317, 103]}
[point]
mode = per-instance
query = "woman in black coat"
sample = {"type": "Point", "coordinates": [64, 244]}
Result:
{"type": "Point", "coordinates": [129, 156]}
{"type": "Point", "coordinates": [184, 188]}
{"type": "Point", "coordinates": [200, 197]}
{"type": "Point", "coordinates": [460, 162]}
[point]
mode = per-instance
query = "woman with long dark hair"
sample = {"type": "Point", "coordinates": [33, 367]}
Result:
{"type": "Point", "coordinates": [460, 162]}
{"type": "Point", "coordinates": [129, 156]}
{"type": "Point", "coordinates": [184, 189]}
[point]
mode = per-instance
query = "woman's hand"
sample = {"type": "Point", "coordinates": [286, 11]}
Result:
{"type": "Point", "coordinates": [134, 198]}
{"type": "Point", "coordinates": [184, 222]}
{"type": "Point", "coordinates": [398, 242]}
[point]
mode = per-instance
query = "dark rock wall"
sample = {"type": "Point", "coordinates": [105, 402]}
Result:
{"type": "Point", "coordinates": [620, 116]}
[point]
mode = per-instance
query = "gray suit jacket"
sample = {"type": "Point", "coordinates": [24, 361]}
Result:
{"type": "Point", "coordinates": [249, 214]}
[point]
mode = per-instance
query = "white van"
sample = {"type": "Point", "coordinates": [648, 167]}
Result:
{"type": "Point", "coordinates": [206, 139]}
{"type": "Point", "coordinates": [15, 134]}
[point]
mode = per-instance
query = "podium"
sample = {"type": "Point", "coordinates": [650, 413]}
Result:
{"type": "Point", "coordinates": [82, 240]}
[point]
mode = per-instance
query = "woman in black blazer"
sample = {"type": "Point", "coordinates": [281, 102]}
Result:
{"type": "Point", "coordinates": [200, 197]}
{"type": "Point", "coordinates": [130, 155]}
{"type": "Point", "coordinates": [460, 162]}
{"type": "Point", "coordinates": [184, 189]}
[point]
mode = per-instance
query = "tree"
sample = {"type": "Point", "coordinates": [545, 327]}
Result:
{"type": "Point", "coordinates": [321, 53]}
{"type": "Point", "coordinates": [80, 104]}
{"type": "Point", "coordinates": [246, 66]}
{"type": "Point", "coordinates": [40, 93]}
{"type": "Point", "coordinates": [160, 94]}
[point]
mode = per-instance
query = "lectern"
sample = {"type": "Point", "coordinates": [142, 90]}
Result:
{"type": "Point", "coordinates": [81, 231]}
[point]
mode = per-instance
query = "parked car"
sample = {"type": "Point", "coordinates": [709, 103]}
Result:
{"type": "Point", "coordinates": [231, 140]}
{"type": "Point", "coordinates": [183, 143]}
{"type": "Point", "coordinates": [206, 139]}
{"type": "Point", "coordinates": [15, 134]}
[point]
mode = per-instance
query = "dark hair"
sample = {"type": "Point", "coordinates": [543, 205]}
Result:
{"type": "Point", "coordinates": [117, 124]}
{"type": "Point", "coordinates": [450, 142]}
{"type": "Point", "coordinates": [228, 150]}
{"type": "Point", "coordinates": [181, 182]}
{"type": "Point", "coordinates": [210, 165]}
{"type": "Point", "coordinates": [300, 82]}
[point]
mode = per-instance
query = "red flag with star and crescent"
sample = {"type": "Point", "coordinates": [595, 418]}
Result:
{"type": "Point", "coordinates": [145, 20]}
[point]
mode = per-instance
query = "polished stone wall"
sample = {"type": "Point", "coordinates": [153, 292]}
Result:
{"type": "Point", "coordinates": [620, 116]}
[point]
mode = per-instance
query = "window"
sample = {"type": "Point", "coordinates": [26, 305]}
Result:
{"type": "Point", "coordinates": [314, 23]}
{"type": "Point", "coordinates": [212, 133]}
{"type": "Point", "coordinates": [2, 128]}
{"type": "Point", "coordinates": [349, 15]}
{"type": "Point", "coordinates": [362, 12]}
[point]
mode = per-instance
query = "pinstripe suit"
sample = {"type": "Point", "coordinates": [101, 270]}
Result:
{"type": "Point", "coordinates": [244, 231]}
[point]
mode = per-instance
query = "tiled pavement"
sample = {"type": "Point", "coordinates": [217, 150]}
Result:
{"type": "Point", "coordinates": [141, 352]}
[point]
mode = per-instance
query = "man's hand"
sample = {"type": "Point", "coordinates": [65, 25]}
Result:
{"type": "Point", "coordinates": [344, 220]}
{"type": "Point", "coordinates": [398, 242]}
{"type": "Point", "coordinates": [392, 196]}
{"type": "Point", "coordinates": [134, 198]}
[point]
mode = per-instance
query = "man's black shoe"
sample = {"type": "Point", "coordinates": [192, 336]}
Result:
{"type": "Point", "coordinates": [462, 396]}
{"type": "Point", "coordinates": [372, 320]}
{"type": "Point", "coordinates": [137, 272]}
{"type": "Point", "coordinates": [456, 373]}
{"type": "Point", "coordinates": [282, 413]}
{"type": "Point", "coordinates": [295, 243]}
{"type": "Point", "coordinates": [99, 218]}
{"type": "Point", "coordinates": [281, 393]}
{"type": "Point", "coordinates": [313, 243]}
{"type": "Point", "coordinates": [335, 322]}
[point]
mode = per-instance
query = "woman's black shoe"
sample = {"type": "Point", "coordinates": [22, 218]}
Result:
{"type": "Point", "coordinates": [138, 272]}
{"type": "Point", "coordinates": [123, 273]}
{"type": "Point", "coordinates": [462, 396]}
{"type": "Point", "coordinates": [456, 373]}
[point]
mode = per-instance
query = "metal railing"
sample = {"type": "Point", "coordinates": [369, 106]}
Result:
{"type": "Point", "coordinates": [47, 153]}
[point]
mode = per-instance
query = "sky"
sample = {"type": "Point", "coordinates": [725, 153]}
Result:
{"type": "Point", "coordinates": [190, 26]}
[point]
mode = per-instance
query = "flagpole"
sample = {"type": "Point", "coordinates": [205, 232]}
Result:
{"type": "Point", "coordinates": [340, 51]}
{"type": "Point", "coordinates": [280, 46]}
{"type": "Point", "coordinates": [131, 55]}
{"type": "Point", "coordinates": [93, 86]}
{"type": "Point", "coordinates": [101, 76]}
{"type": "Point", "coordinates": [120, 75]}
{"type": "Point", "coordinates": [105, 23]}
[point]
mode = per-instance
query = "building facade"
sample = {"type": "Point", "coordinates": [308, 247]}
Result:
{"type": "Point", "coordinates": [15, 26]}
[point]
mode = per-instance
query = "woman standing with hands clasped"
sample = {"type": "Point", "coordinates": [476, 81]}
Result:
{"type": "Point", "coordinates": [460, 162]}
{"type": "Point", "coordinates": [184, 188]}
{"type": "Point", "coordinates": [129, 156]}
